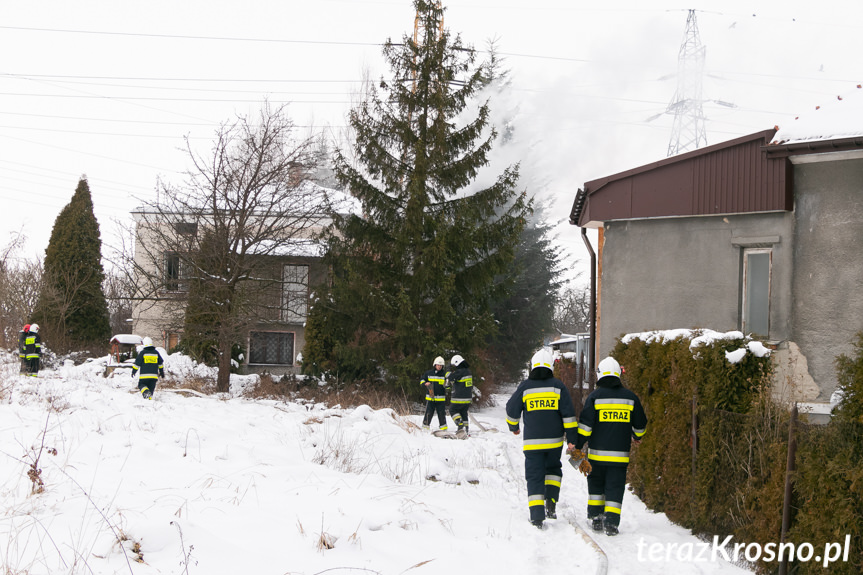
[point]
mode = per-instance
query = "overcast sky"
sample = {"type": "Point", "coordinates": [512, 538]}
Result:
{"type": "Point", "coordinates": [109, 89]}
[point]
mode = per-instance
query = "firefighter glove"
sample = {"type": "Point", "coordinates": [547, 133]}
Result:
{"type": "Point", "coordinates": [578, 459]}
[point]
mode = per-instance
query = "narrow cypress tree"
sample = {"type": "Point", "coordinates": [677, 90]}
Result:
{"type": "Point", "coordinates": [72, 309]}
{"type": "Point", "coordinates": [415, 274]}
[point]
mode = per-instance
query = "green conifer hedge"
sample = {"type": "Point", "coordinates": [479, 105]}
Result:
{"type": "Point", "coordinates": [736, 486]}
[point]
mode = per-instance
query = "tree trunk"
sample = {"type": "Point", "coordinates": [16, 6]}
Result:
{"type": "Point", "coordinates": [223, 379]}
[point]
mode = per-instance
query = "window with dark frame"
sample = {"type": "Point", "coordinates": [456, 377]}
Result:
{"type": "Point", "coordinates": [271, 348]}
{"type": "Point", "coordinates": [172, 339]}
{"type": "Point", "coordinates": [186, 228]}
{"type": "Point", "coordinates": [172, 273]}
{"type": "Point", "coordinates": [295, 293]}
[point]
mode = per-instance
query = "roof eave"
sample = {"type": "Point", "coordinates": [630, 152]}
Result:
{"type": "Point", "coordinates": [814, 147]}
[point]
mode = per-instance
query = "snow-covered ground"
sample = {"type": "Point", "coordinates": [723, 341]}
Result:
{"type": "Point", "coordinates": [212, 485]}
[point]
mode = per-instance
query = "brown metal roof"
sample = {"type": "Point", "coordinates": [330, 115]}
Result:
{"type": "Point", "coordinates": [733, 177]}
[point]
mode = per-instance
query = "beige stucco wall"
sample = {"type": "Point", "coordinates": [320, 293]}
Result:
{"type": "Point", "coordinates": [161, 312]}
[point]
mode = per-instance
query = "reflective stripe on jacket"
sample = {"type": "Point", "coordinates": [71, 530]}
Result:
{"type": "Point", "coordinates": [32, 345]}
{"type": "Point", "coordinates": [611, 417]}
{"type": "Point", "coordinates": [149, 361]}
{"type": "Point", "coordinates": [436, 391]}
{"type": "Point", "coordinates": [461, 382]}
{"type": "Point", "coordinates": [547, 409]}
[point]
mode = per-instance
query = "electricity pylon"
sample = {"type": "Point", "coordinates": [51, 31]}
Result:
{"type": "Point", "coordinates": [688, 131]}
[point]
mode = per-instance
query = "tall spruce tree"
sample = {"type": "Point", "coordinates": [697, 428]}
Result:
{"type": "Point", "coordinates": [71, 309]}
{"type": "Point", "coordinates": [415, 273]}
{"type": "Point", "coordinates": [526, 314]}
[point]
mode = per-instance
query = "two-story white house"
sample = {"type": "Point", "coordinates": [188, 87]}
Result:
{"type": "Point", "coordinates": [278, 298]}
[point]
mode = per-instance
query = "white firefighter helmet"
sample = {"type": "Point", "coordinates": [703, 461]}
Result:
{"type": "Point", "coordinates": [439, 361]}
{"type": "Point", "coordinates": [34, 327]}
{"type": "Point", "coordinates": [542, 358]}
{"type": "Point", "coordinates": [456, 360]}
{"type": "Point", "coordinates": [148, 342]}
{"type": "Point", "coordinates": [609, 366]}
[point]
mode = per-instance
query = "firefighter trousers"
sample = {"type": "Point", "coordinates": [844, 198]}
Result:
{"type": "Point", "coordinates": [605, 487]}
{"type": "Point", "coordinates": [543, 472]}
{"type": "Point", "coordinates": [433, 406]}
{"type": "Point", "coordinates": [148, 382]}
{"type": "Point", "coordinates": [458, 412]}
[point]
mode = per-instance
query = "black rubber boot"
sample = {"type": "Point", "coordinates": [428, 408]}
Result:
{"type": "Point", "coordinates": [537, 515]}
{"type": "Point", "coordinates": [536, 523]}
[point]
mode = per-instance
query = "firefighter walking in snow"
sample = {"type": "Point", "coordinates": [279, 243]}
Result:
{"type": "Point", "coordinates": [32, 350]}
{"type": "Point", "coordinates": [611, 417]}
{"type": "Point", "coordinates": [149, 362]}
{"type": "Point", "coordinates": [434, 381]}
{"type": "Point", "coordinates": [461, 382]}
{"type": "Point", "coordinates": [548, 416]}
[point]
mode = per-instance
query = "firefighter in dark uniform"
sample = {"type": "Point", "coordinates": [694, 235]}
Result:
{"type": "Point", "coordinates": [434, 381]}
{"type": "Point", "coordinates": [611, 417]}
{"type": "Point", "coordinates": [22, 348]}
{"type": "Point", "coordinates": [149, 362]}
{"type": "Point", "coordinates": [461, 382]}
{"type": "Point", "coordinates": [549, 415]}
{"type": "Point", "coordinates": [32, 350]}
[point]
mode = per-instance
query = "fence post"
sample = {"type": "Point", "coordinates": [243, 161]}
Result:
{"type": "Point", "coordinates": [789, 472]}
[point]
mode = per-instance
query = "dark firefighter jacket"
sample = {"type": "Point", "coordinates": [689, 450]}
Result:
{"type": "Point", "coordinates": [461, 382]}
{"type": "Point", "coordinates": [32, 345]}
{"type": "Point", "coordinates": [547, 408]}
{"type": "Point", "coordinates": [612, 415]}
{"type": "Point", "coordinates": [22, 342]}
{"type": "Point", "coordinates": [436, 391]}
{"type": "Point", "coordinates": [149, 361]}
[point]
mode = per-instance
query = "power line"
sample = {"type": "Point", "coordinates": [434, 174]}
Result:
{"type": "Point", "coordinates": [175, 79]}
{"type": "Point", "coordinates": [83, 153]}
{"type": "Point", "coordinates": [157, 99]}
{"type": "Point", "coordinates": [262, 40]}
{"type": "Point", "coordinates": [147, 122]}
{"type": "Point", "coordinates": [89, 133]}
{"type": "Point", "coordinates": [64, 82]}
{"type": "Point", "coordinates": [69, 177]}
{"type": "Point", "coordinates": [119, 120]}
{"type": "Point", "coordinates": [189, 37]}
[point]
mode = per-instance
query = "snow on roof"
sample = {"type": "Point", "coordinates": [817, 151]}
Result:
{"type": "Point", "coordinates": [294, 247]}
{"type": "Point", "coordinates": [342, 202]}
{"type": "Point", "coordinates": [840, 118]}
{"type": "Point", "coordinates": [327, 199]}
{"type": "Point", "coordinates": [127, 338]}
{"type": "Point", "coordinates": [569, 338]}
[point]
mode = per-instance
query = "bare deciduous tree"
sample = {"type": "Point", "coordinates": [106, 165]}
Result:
{"type": "Point", "coordinates": [215, 240]}
{"type": "Point", "coordinates": [120, 284]}
{"type": "Point", "coordinates": [20, 283]}
{"type": "Point", "coordinates": [572, 313]}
